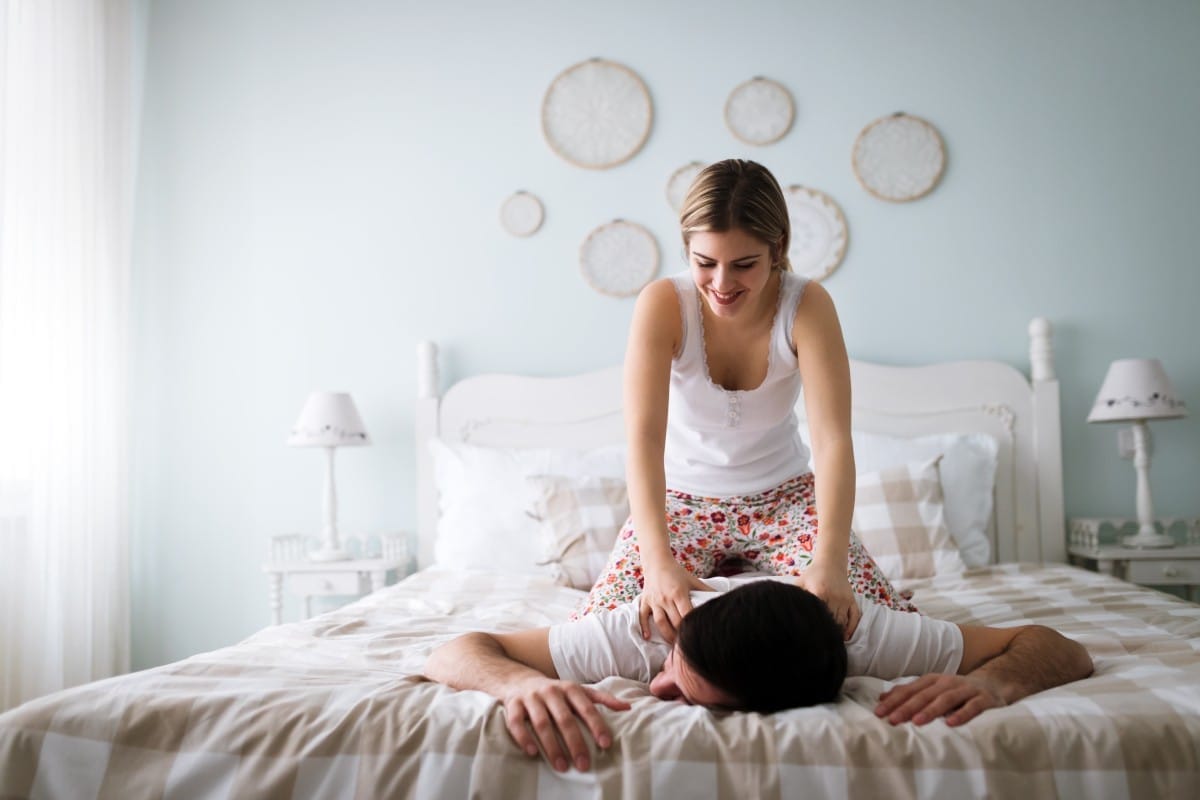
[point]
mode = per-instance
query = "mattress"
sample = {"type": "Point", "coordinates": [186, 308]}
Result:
{"type": "Point", "coordinates": [335, 707]}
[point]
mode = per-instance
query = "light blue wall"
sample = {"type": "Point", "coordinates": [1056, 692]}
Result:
{"type": "Point", "coordinates": [320, 185]}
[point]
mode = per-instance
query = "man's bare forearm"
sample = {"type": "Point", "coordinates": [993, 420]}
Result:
{"type": "Point", "coordinates": [1037, 658]}
{"type": "Point", "coordinates": [477, 661]}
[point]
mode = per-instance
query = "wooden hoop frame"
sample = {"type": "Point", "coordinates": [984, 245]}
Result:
{"type": "Point", "coordinates": [509, 209]}
{"type": "Point", "coordinates": [607, 237]}
{"type": "Point", "coordinates": [831, 212]}
{"type": "Point", "coordinates": [763, 87]}
{"type": "Point", "coordinates": [672, 188]}
{"type": "Point", "coordinates": [920, 182]}
{"type": "Point", "coordinates": [595, 111]}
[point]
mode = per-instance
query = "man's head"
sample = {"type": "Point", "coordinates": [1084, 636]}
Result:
{"type": "Point", "coordinates": [764, 647]}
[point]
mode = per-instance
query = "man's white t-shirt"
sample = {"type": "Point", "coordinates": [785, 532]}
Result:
{"type": "Point", "coordinates": [886, 644]}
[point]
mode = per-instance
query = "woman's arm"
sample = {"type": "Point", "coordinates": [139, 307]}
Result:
{"type": "Point", "coordinates": [654, 337]}
{"type": "Point", "coordinates": [825, 369]}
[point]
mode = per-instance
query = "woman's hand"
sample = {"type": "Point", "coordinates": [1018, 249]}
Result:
{"type": "Point", "coordinates": [831, 585]}
{"type": "Point", "coordinates": [666, 596]}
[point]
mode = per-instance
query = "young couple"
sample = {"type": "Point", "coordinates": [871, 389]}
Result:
{"type": "Point", "coordinates": [718, 474]}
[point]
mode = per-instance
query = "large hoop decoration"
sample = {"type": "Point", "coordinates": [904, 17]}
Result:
{"type": "Point", "coordinates": [619, 258]}
{"type": "Point", "coordinates": [596, 114]}
{"type": "Point", "coordinates": [760, 111]}
{"type": "Point", "coordinates": [819, 232]}
{"type": "Point", "coordinates": [899, 157]}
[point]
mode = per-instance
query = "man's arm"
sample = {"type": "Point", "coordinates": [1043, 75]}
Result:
{"type": "Point", "coordinates": [999, 666]}
{"type": "Point", "coordinates": [517, 669]}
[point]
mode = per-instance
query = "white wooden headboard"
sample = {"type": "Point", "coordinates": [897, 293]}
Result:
{"type": "Point", "coordinates": [583, 411]}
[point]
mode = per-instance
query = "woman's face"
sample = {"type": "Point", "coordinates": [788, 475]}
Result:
{"type": "Point", "coordinates": [732, 269]}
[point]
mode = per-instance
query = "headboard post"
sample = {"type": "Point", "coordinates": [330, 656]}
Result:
{"type": "Point", "coordinates": [425, 427]}
{"type": "Point", "coordinates": [1047, 441]}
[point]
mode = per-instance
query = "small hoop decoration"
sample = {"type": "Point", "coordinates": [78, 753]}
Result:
{"type": "Point", "coordinates": [596, 114]}
{"type": "Point", "coordinates": [819, 232]}
{"type": "Point", "coordinates": [680, 181]}
{"type": "Point", "coordinates": [619, 258]}
{"type": "Point", "coordinates": [522, 214]}
{"type": "Point", "coordinates": [759, 111]}
{"type": "Point", "coordinates": [899, 157]}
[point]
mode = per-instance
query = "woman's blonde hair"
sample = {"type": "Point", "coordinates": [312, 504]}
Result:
{"type": "Point", "coordinates": [737, 193]}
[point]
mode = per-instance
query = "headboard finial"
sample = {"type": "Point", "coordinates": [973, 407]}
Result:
{"type": "Point", "coordinates": [427, 369]}
{"type": "Point", "coordinates": [1041, 349]}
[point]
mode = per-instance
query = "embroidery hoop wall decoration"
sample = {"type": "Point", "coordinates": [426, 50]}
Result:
{"type": "Point", "coordinates": [819, 232]}
{"type": "Point", "coordinates": [899, 157]}
{"type": "Point", "coordinates": [759, 111]}
{"type": "Point", "coordinates": [680, 181]}
{"type": "Point", "coordinates": [619, 258]}
{"type": "Point", "coordinates": [521, 214]}
{"type": "Point", "coordinates": [596, 114]}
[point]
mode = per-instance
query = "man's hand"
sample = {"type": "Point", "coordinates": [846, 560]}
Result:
{"type": "Point", "coordinates": [547, 711]}
{"type": "Point", "coordinates": [958, 698]}
{"type": "Point", "coordinates": [832, 586]}
{"type": "Point", "coordinates": [666, 596]}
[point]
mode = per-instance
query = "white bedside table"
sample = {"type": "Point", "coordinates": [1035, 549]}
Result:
{"type": "Point", "coordinates": [1093, 543]}
{"type": "Point", "coordinates": [310, 579]}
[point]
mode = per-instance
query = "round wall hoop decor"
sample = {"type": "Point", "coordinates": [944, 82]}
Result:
{"type": "Point", "coordinates": [597, 114]}
{"type": "Point", "coordinates": [679, 183]}
{"type": "Point", "coordinates": [522, 214]}
{"type": "Point", "coordinates": [818, 232]}
{"type": "Point", "coordinates": [759, 111]}
{"type": "Point", "coordinates": [619, 258]}
{"type": "Point", "coordinates": [899, 157]}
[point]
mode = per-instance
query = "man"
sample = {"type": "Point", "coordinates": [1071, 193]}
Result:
{"type": "Point", "coordinates": [753, 644]}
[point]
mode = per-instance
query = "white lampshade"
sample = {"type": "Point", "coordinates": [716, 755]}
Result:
{"type": "Point", "coordinates": [329, 419]}
{"type": "Point", "coordinates": [1136, 388]}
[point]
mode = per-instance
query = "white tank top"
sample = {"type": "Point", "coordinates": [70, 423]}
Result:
{"type": "Point", "coordinates": [722, 443]}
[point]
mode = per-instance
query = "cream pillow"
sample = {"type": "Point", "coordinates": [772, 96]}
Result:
{"type": "Point", "coordinates": [485, 504]}
{"type": "Point", "coordinates": [899, 516]}
{"type": "Point", "coordinates": [579, 520]}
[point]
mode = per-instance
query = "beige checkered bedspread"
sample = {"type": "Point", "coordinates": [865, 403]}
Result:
{"type": "Point", "coordinates": [330, 707]}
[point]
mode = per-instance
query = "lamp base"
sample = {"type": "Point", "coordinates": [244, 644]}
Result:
{"type": "Point", "coordinates": [328, 554]}
{"type": "Point", "coordinates": [1148, 541]}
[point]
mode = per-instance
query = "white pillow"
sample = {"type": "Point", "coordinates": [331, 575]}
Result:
{"type": "Point", "coordinates": [485, 501]}
{"type": "Point", "coordinates": [968, 474]}
{"type": "Point", "coordinates": [899, 517]}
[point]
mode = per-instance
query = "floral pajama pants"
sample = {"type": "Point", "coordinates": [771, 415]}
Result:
{"type": "Point", "coordinates": [774, 531]}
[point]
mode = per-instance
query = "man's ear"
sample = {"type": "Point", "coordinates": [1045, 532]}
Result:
{"type": "Point", "coordinates": [531, 648]}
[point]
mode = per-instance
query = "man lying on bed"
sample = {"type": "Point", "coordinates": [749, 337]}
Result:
{"type": "Point", "coordinates": [753, 644]}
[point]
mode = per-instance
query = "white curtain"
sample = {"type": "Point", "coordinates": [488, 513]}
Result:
{"type": "Point", "coordinates": [67, 139]}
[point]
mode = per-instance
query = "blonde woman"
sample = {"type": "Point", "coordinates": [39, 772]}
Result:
{"type": "Point", "coordinates": [716, 468]}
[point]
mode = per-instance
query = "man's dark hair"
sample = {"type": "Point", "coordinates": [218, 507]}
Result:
{"type": "Point", "coordinates": [767, 644]}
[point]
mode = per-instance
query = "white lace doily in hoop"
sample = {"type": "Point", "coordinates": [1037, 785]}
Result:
{"type": "Point", "coordinates": [596, 114]}
{"type": "Point", "coordinates": [522, 214]}
{"type": "Point", "coordinates": [679, 183]}
{"type": "Point", "coordinates": [899, 157]}
{"type": "Point", "coordinates": [619, 258]}
{"type": "Point", "coordinates": [818, 232]}
{"type": "Point", "coordinates": [759, 111]}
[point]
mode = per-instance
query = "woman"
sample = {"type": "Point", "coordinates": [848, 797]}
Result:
{"type": "Point", "coordinates": [724, 348]}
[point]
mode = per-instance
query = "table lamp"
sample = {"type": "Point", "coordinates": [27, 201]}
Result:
{"type": "Point", "coordinates": [1135, 390]}
{"type": "Point", "coordinates": [329, 420]}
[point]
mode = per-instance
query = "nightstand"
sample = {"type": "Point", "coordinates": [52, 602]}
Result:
{"type": "Point", "coordinates": [309, 579]}
{"type": "Point", "coordinates": [1093, 543]}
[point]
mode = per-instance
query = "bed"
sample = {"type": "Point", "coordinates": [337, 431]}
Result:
{"type": "Point", "coordinates": [334, 706]}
